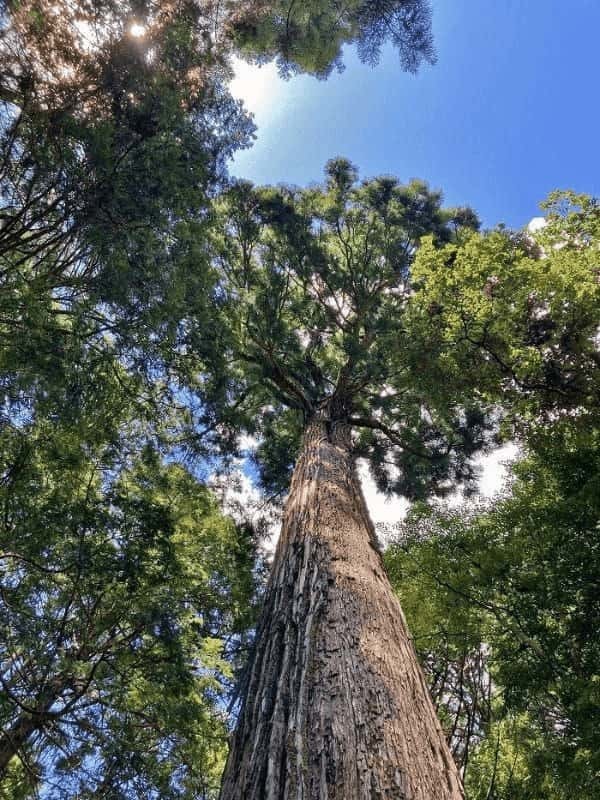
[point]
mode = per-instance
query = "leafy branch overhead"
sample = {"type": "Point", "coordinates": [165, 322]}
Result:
{"type": "Point", "coordinates": [309, 36]}
{"type": "Point", "coordinates": [514, 317]}
{"type": "Point", "coordinates": [516, 314]}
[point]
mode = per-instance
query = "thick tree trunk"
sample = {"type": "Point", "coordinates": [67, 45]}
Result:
{"type": "Point", "coordinates": [336, 706]}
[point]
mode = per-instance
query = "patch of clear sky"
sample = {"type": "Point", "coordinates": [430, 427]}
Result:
{"type": "Point", "coordinates": [509, 112]}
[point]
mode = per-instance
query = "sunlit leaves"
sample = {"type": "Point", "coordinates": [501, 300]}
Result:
{"type": "Point", "coordinates": [517, 314]}
{"type": "Point", "coordinates": [123, 589]}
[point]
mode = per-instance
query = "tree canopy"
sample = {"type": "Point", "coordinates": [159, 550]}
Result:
{"type": "Point", "coordinates": [124, 591]}
{"type": "Point", "coordinates": [503, 605]}
{"type": "Point", "coordinates": [115, 131]}
{"type": "Point", "coordinates": [315, 286]}
{"type": "Point", "coordinates": [126, 595]}
{"type": "Point", "coordinates": [503, 600]}
{"type": "Point", "coordinates": [515, 315]}
{"type": "Point", "coordinates": [152, 311]}
{"type": "Point", "coordinates": [310, 36]}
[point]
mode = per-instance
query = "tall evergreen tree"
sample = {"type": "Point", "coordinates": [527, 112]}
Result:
{"type": "Point", "coordinates": [115, 128]}
{"type": "Point", "coordinates": [315, 287]}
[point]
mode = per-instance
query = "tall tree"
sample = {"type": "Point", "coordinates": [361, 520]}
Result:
{"type": "Point", "coordinates": [512, 591]}
{"type": "Point", "coordinates": [115, 128]}
{"type": "Point", "coordinates": [314, 291]}
{"type": "Point", "coordinates": [120, 581]}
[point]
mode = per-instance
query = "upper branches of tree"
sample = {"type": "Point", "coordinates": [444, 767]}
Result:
{"type": "Point", "coordinates": [515, 316]}
{"type": "Point", "coordinates": [115, 128]}
{"type": "Point", "coordinates": [310, 36]}
{"type": "Point", "coordinates": [315, 287]}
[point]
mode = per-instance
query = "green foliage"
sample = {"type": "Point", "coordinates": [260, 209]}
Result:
{"type": "Point", "coordinates": [111, 148]}
{"type": "Point", "coordinates": [125, 595]}
{"type": "Point", "coordinates": [512, 319]}
{"type": "Point", "coordinates": [310, 36]}
{"type": "Point", "coordinates": [315, 286]}
{"type": "Point", "coordinates": [122, 585]}
{"type": "Point", "coordinates": [516, 316]}
{"type": "Point", "coordinates": [144, 317]}
{"type": "Point", "coordinates": [18, 783]}
{"type": "Point", "coordinates": [519, 583]}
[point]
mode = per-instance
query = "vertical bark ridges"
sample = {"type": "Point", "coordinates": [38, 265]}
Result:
{"type": "Point", "coordinates": [336, 705]}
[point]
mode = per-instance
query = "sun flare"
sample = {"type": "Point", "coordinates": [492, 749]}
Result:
{"type": "Point", "coordinates": [137, 30]}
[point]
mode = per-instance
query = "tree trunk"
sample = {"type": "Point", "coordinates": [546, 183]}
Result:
{"type": "Point", "coordinates": [336, 706]}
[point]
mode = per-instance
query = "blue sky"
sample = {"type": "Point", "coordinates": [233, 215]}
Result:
{"type": "Point", "coordinates": [509, 112]}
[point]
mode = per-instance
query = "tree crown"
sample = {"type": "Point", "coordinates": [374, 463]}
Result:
{"type": "Point", "coordinates": [315, 288]}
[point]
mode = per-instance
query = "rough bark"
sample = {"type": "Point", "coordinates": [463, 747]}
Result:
{"type": "Point", "coordinates": [336, 706]}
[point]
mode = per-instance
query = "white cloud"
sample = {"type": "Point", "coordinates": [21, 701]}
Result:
{"type": "Point", "coordinates": [387, 512]}
{"type": "Point", "coordinates": [384, 511]}
{"type": "Point", "coordinates": [244, 502]}
{"type": "Point", "coordinates": [248, 443]}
